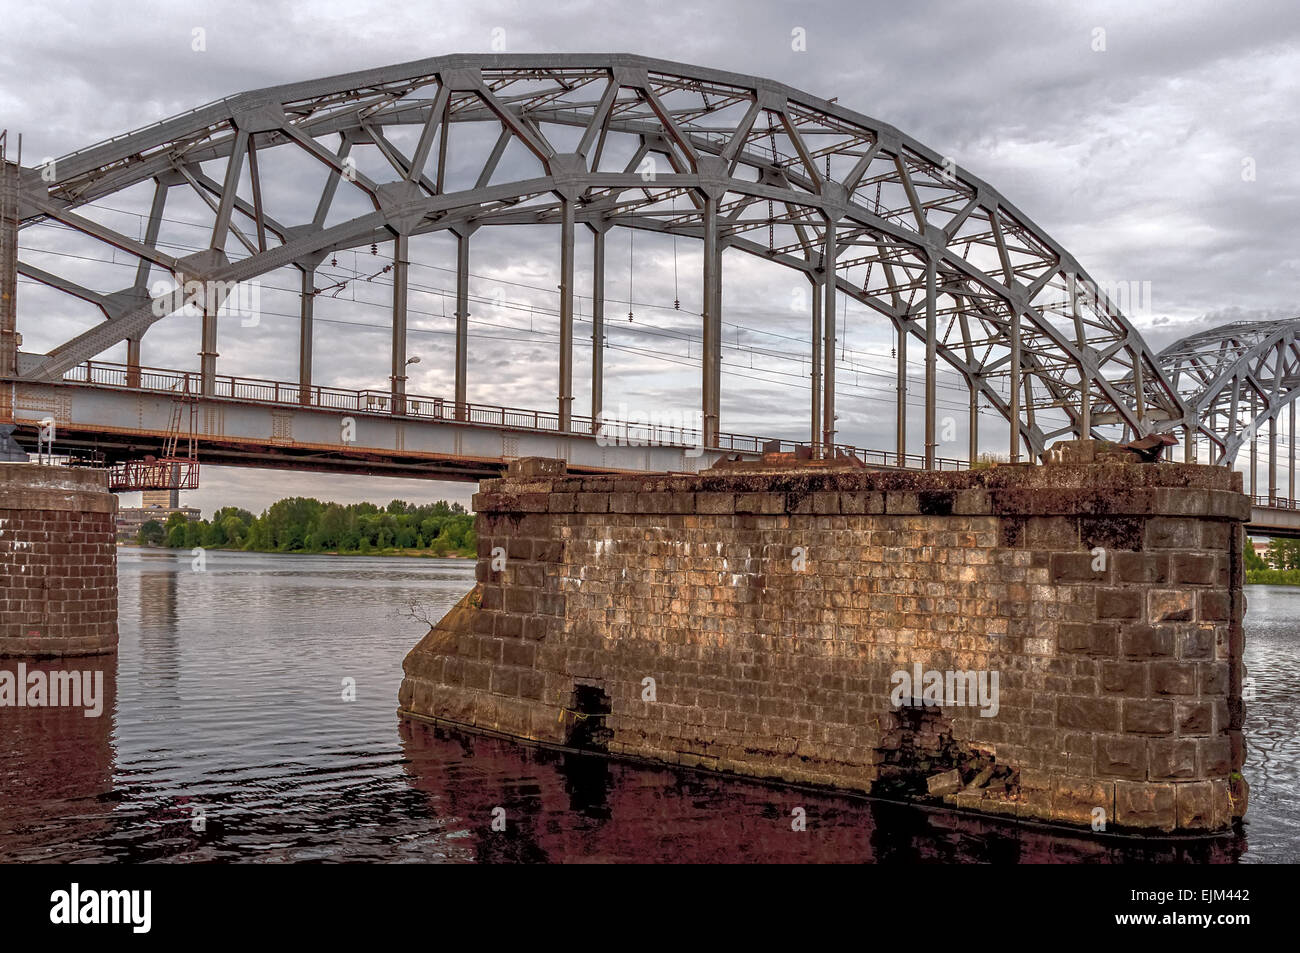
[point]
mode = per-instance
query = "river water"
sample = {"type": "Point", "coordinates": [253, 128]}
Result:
{"type": "Point", "coordinates": [227, 736]}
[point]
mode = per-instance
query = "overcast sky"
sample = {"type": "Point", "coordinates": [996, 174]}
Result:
{"type": "Point", "coordinates": [1170, 156]}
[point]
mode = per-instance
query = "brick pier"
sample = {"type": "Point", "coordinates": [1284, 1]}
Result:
{"type": "Point", "coordinates": [753, 619]}
{"type": "Point", "coordinates": [58, 562]}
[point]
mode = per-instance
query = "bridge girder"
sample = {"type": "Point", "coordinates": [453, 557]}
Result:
{"type": "Point", "coordinates": [901, 229]}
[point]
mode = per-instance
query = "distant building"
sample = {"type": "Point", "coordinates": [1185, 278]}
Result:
{"type": "Point", "coordinates": [170, 499]}
{"type": "Point", "coordinates": [131, 518]}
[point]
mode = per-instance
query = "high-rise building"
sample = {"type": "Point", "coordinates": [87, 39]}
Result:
{"type": "Point", "coordinates": [167, 499]}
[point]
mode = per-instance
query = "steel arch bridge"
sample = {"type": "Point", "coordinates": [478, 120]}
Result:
{"type": "Point", "coordinates": [1236, 378]}
{"type": "Point", "coordinates": [860, 209]}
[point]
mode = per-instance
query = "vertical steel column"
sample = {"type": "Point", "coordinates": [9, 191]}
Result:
{"type": "Point", "coordinates": [931, 359]}
{"type": "Point", "coordinates": [815, 430]}
{"type": "Point", "coordinates": [830, 254]}
{"type": "Point", "coordinates": [900, 408]}
{"type": "Point", "coordinates": [306, 317]}
{"type": "Point", "coordinates": [597, 325]}
{"type": "Point", "coordinates": [142, 280]}
{"type": "Point", "coordinates": [712, 351]}
{"type": "Point", "coordinates": [401, 261]}
{"type": "Point", "coordinates": [1290, 449]}
{"type": "Point", "coordinates": [1272, 460]}
{"type": "Point", "coordinates": [1254, 450]}
{"type": "Point", "coordinates": [1013, 331]}
{"type": "Point", "coordinates": [1085, 378]}
{"type": "Point", "coordinates": [8, 267]}
{"type": "Point", "coordinates": [133, 361]}
{"type": "Point", "coordinates": [462, 322]}
{"type": "Point", "coordinates": [1189, 445]}
{"type": "Point", "coordinates": [973, 451]}
{"type": "Point", "coordinates": [566, 314]}
{"type": "Point", "coordinates": [208, 347]}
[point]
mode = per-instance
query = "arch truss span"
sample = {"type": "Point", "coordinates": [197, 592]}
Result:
{"type": "Point", "coordinates": [1236, 378]}
{"type": "Point", "coordinates": [458, 143]}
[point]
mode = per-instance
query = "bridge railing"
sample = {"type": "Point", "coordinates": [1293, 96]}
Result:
{"type": "Point", "coordinates": [1276, 502]}
{"type": "Point", "coordinates": [370, 401]}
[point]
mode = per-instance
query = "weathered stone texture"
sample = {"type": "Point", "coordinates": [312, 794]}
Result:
{"type": "Point", "coordinates": [58, 562]}
{"type": "Point", "coordinates": [772, 606]}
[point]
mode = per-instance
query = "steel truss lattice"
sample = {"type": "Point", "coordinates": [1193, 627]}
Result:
{"type": "Point", "coordinates": [862, 210]}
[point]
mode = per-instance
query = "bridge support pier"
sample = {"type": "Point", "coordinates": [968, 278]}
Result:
{"type": "Point", "coordinates": [52, 603]}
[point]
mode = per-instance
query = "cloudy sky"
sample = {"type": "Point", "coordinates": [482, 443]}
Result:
{"type": "Point", "coordinates": [1156, 141]}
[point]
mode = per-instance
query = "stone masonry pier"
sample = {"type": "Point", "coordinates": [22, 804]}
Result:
{"type": "Point", "coordinates": [754, 618]}
{"type": "Point", "coordinates": [58, 562]}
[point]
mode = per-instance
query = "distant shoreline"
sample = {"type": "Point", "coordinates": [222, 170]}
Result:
{"type": "Point", "coordinates": [1273, 577]}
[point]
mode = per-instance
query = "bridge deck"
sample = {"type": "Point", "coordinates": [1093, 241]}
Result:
{"type": "Point", "coordinates": [122, 413]}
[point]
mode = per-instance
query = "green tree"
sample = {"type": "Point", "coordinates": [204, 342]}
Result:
{"type": "Point", "coordinates": [151, 534]}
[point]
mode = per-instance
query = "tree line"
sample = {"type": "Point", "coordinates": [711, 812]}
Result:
{"type": "Point", "coordinates": [304, 525]}
{"type": "Point", "coordinates": [1280, 566]}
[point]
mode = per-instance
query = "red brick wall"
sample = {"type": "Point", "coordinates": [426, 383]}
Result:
{"type": "Point", "coordinates": [58, 562]}
{"type": "Point", "coordinates": [1120, 687]}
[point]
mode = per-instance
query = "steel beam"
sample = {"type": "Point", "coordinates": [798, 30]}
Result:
{"type": "Point", "coordinates": [462, 322]}
{"type": "Point", "coordinates": [9, 218]}
{"type": "Point", "coordinates": [306, 321]}
{"type": "Point", "coordinates": [566, 314]}
{"type": "Point", "coordinates": [597, 325]}
{"type": "Point", "coordinates": [401, 263]}
{"type": "Point", "coordinates": [133, 362]}
{"type": "Point", "coordinates": [931, 360]}
{"type": "Point", "coordinates": [1254, 449]}
{"type": "Point", "coordinates": [830, 254]}
{"type": "Point", "coordinates": [208, 347]}
{"type": "Point", "coordinates": [1013, 414]}
{"type": "Point", "coordinates": [973, 450]}
{"type": "Point", "coordinates": [815, 428]}
{"type": "Point", "coordinates": [1272, 461]}
{"type": "Point", "coordinates": [711, 358]}
{"type": "Point", "coordinates": [900, 396]}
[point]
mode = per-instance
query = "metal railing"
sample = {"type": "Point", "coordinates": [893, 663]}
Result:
{"type": "Point", "coordinates": [371, 401]}
{"type": "Point", "coordinates": [1276, 502]}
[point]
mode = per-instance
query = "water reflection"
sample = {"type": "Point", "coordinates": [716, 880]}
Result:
{"type": "Point", "coordinates": [228, 737]}
{"type": "Point", "coordinates": [562, 807]}
{"type": "Point", "coordinates": [56, 762]}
